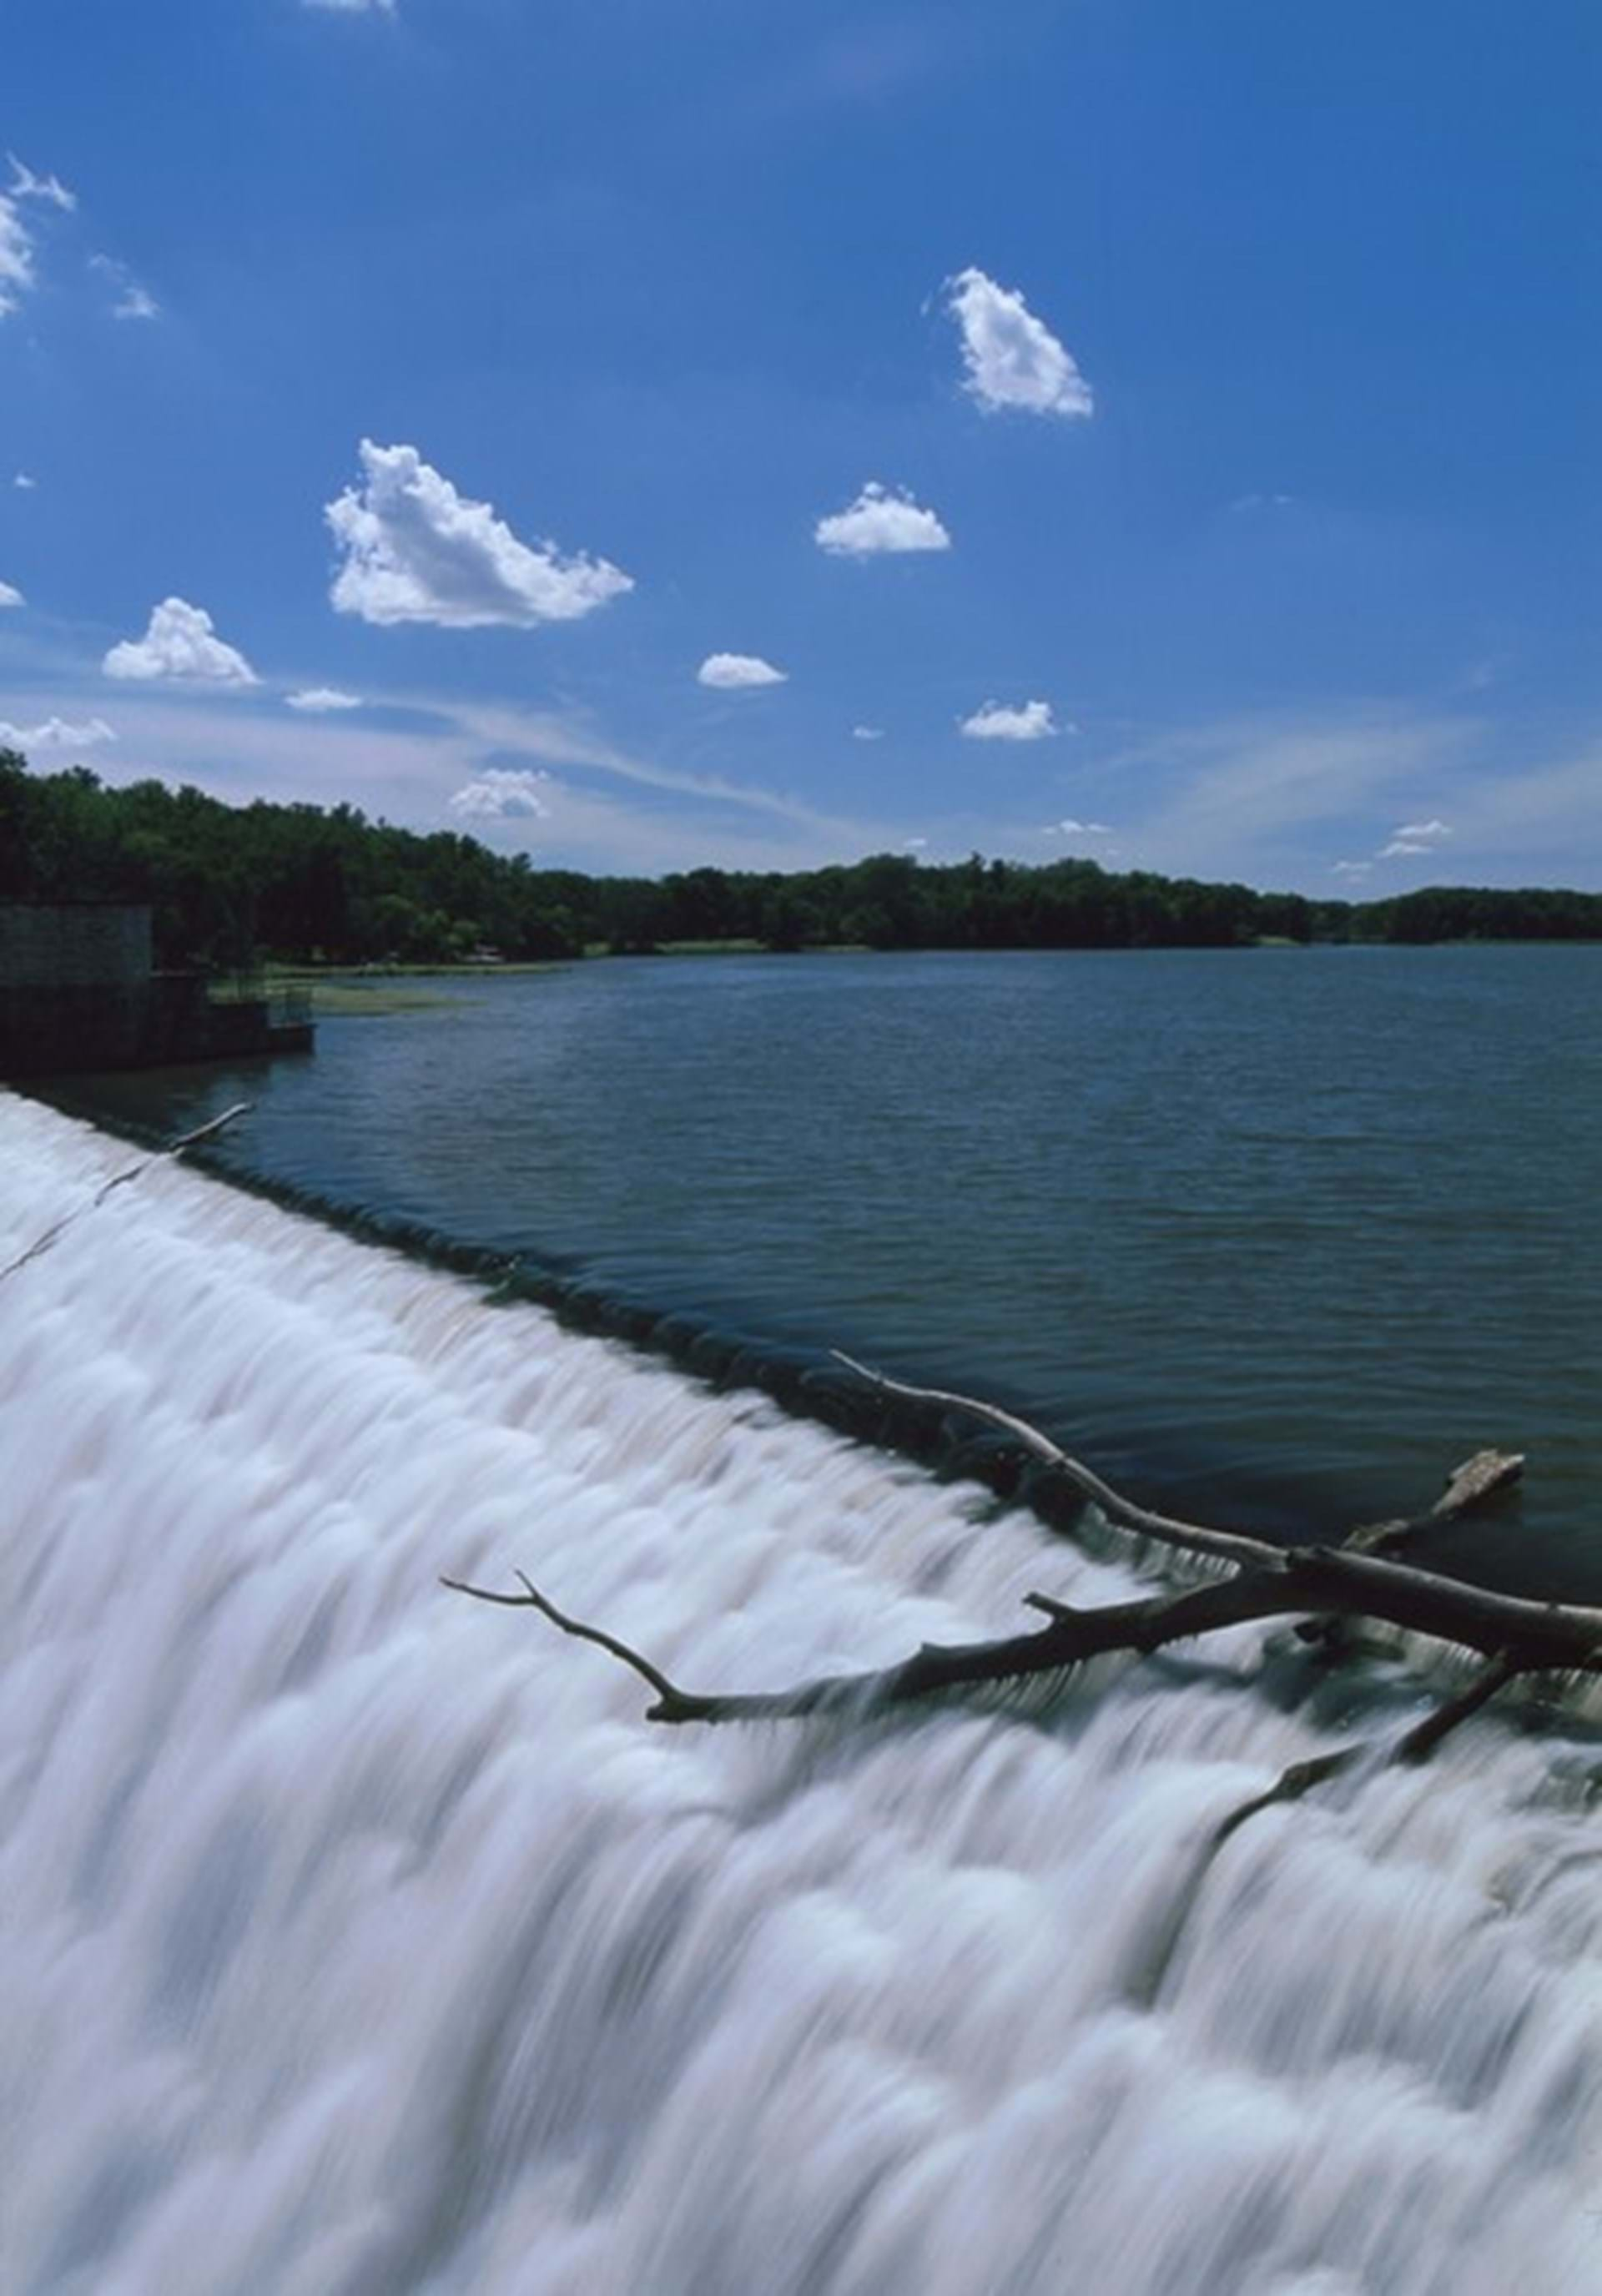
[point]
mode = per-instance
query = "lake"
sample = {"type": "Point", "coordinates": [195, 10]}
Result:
{"type": "Point", "coordinates": [1279, 1235]}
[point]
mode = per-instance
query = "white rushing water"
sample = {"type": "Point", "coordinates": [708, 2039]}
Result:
{"type": "Point", "coordinates": [358, 1939]}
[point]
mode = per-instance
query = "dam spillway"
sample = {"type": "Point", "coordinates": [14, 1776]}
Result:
{"type": "Point", "coordinates": [355, 1939]}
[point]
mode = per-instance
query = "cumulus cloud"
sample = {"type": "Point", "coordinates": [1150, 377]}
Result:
{"type": "Point", "coordinates": [319, 698]}
{"type": "Point", "coordinates": [25, 184]}
{"type": "Point", "coordinates": [9, 597]}
{"type": "Point", "coordinates": [1001, 721]}
{"type": "Point", "coordinates": [16, 257]}
{"type": "Point", "coordinates": [730, 673]}
{"type": "Point", "coordinates": [1423, 833]}
{"type": "Point", "coordinates": [868, 732]}
{"type": "Point", "coordinates": [1012, 358]}
{"type": "Point", "coordinates": [498, 794]}
{"type": "Point", "coordinates": [880, 523]}
{"type": "Point", "coordinates": [57, 733]}
{"type": "Point", "coordinates": [417, 550]}
{"type": "Point", "coordinates": [180, 645]}
{"type": "Point", "coordinates": [1079, 829]}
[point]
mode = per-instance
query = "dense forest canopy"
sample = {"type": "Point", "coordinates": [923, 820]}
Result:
{"type": "Point", "coordinates": [231, 884]}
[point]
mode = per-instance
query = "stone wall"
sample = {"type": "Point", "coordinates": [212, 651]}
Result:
{"type": "Point", "coordinates": [78, 945]}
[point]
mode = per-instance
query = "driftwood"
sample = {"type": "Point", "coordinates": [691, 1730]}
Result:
{"type": "Point", "coordinates": [185, 1140]}
{"type": "Point", "coordinates": [1367, 1575]}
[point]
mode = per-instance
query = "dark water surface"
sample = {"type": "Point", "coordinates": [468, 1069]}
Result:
{"type": "Point", "coordinates": [1279, 1235]}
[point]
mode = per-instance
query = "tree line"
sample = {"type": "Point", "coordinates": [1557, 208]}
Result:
{"type": "Point", "coordinates": [230, 885]}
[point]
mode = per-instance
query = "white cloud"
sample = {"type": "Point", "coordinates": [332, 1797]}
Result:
{"type": "Point", "coordinates": [1400, 846]}
{"type": "Point", "coordinates": [1423, 831]}
{"type": "Point", "coordinates": [16, 257]}
{"type": "Point", "coordinates": [133, 301]}
{"type": "Point", "coordinates": [319, 698]}
{"type": "Point", "coordinates": [731, 672]}
{"type": "Point", "coordinates": [868, 732]}
{"type": "Point", "coordinates": [1079, 829]}
{"type": "Point", "coordinates": [1000, 721]}
{"type": "Point", "coordinates": [9, 597]}
{"type": "Point", "coordinates": [417, 550]}
{"type": "Point", "coordinates": [499, 795]}
{"type": "Point", "coordinates": [181, 644]}
{"type": "Point", "coordinates": [23, 481]}
{"type": "Point", "coordinates": [353, 7]}
{"type": "Point", "coordinates": [25, 184]}
{"type": "Point", "coordinates": [57, 733]}
{"type": "Point", "coordinates": [914, 845]}
{"type": "Point", "coordinates": [1350, 868]}
{"type": "Point", "coordinates": [879, 523]}
{"type": "Point", "coordinates": [1012, 359]}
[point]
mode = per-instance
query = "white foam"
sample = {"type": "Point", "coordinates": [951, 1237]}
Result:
{"type": "Point", "coordinates": [359, 1938]}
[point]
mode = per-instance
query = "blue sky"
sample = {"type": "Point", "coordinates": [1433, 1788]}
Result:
{"type": "Point", "coordinates": [1133, 428]}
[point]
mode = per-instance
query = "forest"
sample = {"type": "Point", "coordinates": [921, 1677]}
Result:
{"type": "Point", "coordinates": [232, 886]}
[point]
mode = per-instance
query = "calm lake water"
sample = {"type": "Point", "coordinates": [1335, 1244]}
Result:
{"type": "Point", "coordinates": [1280, 1235]}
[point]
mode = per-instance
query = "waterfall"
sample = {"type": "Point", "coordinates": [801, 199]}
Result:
{"type": "Point", "coordinates": [356, 1939]}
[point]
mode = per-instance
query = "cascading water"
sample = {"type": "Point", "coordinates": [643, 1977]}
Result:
{"type": "Point", "coordinates": [358, 1940]}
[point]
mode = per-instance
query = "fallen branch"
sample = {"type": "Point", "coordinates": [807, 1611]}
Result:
{"type": "Point", "coordinates": [1193, 1538]}
{"type": "Point", "coordinates": [1358, 1577]}
{"type": "Point", "coordinates": [185, 1140]}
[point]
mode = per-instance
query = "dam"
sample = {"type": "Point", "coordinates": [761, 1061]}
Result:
{"type": "Point", "coordinates": [357, 1940]}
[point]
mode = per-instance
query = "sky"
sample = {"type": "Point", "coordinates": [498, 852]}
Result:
{"type": "Point", "coordinates": [759, 435]}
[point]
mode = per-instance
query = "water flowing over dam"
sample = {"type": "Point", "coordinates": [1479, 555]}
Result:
{"type": "Point", "coordinates": [356, 1939]}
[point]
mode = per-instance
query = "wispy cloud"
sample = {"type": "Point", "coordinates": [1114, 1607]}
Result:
{"type": "Point", "coordinates": [409, 751]}
{"type": "Point", "coordinates": [1001, 721]}
{"type": "Point", "coordinates": [352, 7]}
{"type": "Point", "coordinates": [1413, 838]}
{"type": "Point", "coordinates": [10, 596]}
{"type": "Point", "coordinates": [1256, 796]}
{"type": "Point", "coordinates": [182, 646]}
{"type": "Point", "coordinates": [880, 523]}
{"type": "Point", "coordinates": [414, 550]}
{"type": "Point", "coordinates": [868, 732]}
{"type": "Point", "coordinates": [1078, 829]}
{"type": "Point", "coordinates": [25, 184]}
{"type": "Point", "coordinates": [734, 673]}
{"type": "Point", "coordinates": [130, 300]}
{"type": "Point", "coordinates": [1013, 358]}
{"type": "Point", "coordinates": [17, 276]}
{"type": "Point", "coordinates": [24, 483]}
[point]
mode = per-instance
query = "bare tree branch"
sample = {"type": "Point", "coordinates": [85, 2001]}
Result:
{"type": "Point", "coordinates": [1517, 1635]}
{"type": "Point", "coordinates": [42, 1243]}
{"type": "Point", "coordinates": [675, 1705]}
{"type": "Point", "coordinates": [1198, 1538]}
{"type": "Point", "coordinates": [1360, 1578]}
